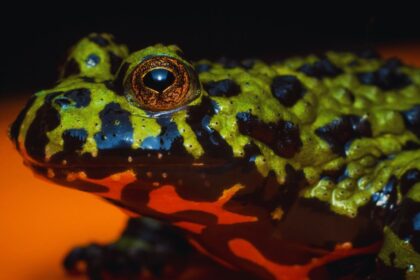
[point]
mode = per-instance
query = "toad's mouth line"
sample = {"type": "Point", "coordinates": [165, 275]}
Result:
{"type": "Point", "coordinates": [216, 166]}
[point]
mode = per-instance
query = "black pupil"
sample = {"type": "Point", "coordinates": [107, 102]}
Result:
{"type": "Point", "coordinates": [158, 79]}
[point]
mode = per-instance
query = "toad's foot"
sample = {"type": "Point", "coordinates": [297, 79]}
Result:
{"type": "Point", "coordinates": [146, 247]}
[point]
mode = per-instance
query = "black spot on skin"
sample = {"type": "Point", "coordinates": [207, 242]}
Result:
{"type": "Point", "coordinates": [46, 119]}
{"type": "Point", "coordinates": [99, 40]}
{"type": "Point", "coordinates": [226, 88]}
{"type": "Point", "coordinates": [116, 131]}
{"type": "Point", "coordinates": [71, 68]}
{"type": "Point", "coordinates": [117, 85]}
{"type": "Point", "coordinates": [74, 139]}
{"type": "Point", "coordinates": [202, 67]}
{"type": "Point", "coordinates": [168, 142]}
{"type": "Point", "coordinates": [287, 89]}
{"type": "Point", "coordinates": [406, 224]}
{"type": "Point", "coordinates": [251, 152]}
{"type": "Point", "coordinates": [320, 69]}
{"type": "Point", "coordinates": [361, 126]}
{"type": "Point", "coordinates": [350, 94]}
{"type": "Point", "coordinates": [335, 175]}
{"type": "Point", "coordinates": [340, 132]}
{"type": "Point", "coordinates": [15, 127]}
{"type": "Point", "coordinates": [386, 199]}
{"type": "Point", "coordinates": [282, 137]}
{"type": "Point", "coordinates": [410, 146]}
{"type": "Point", "coordinates": [110, 84]}
{"type": "Point", "coordinates": [88, 79]}
{"type": "Point", "coordinates": [387, 77]}
{"type": "Point", "coordinates": [78, 98]}
{"type": "Point", "coordinates": [115, 62]}
{"type": "Point", "coordinates": [412, 120]}
{"type": "Point", "coordinates": [409, 179]}
{"type": "Point", "coordinates": [199, 119]}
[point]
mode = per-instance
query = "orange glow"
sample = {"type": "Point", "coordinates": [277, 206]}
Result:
{"type": "Point", "coordinates": [244, 249]}
{"type": "Point", "coordinates": [166, 200]}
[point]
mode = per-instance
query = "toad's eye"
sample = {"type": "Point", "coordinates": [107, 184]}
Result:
{"type": "Point", "coordinates": [162, 83]}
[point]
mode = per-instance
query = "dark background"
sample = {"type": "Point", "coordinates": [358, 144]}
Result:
{"type": "Point", "coordinates": [35, 40]}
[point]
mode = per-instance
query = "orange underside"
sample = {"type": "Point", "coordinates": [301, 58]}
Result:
{"type": "Point", "coordinates": [115, 183]}
{"type": "Point", "coordinates": [244, 249]}
{"type": "Point", "coordinates": [166, 200]}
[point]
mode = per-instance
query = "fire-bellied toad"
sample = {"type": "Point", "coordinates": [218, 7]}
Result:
{"type": "Point", "coordinates": [276, 169]}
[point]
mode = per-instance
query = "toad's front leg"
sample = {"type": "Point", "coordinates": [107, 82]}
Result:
{"type": "Point", "coordinates": [147, 249]}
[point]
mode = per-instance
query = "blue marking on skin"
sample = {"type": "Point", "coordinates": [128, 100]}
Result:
{"type": "Point", "coordinates": [164, 141]}
{"type": "Point", "coordinates": [383, 198]}
{"type": "Point", "coordinates": [416, 222]}
{"type": "Point", "coordinates": [150, 143]}
{"type": "Point", "coordinates": [92, 60]}
{"type": "Point", "coordinates": [116, 131]}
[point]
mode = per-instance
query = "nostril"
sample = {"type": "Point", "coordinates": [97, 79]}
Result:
{"type": "Point", "coordinates": [62, 102]}
{"type": "Point", "coordinates": [79, 98]}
